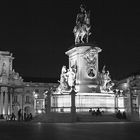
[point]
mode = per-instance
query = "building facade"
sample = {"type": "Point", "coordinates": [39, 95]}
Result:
{"type": "Point", "coordinates": [131, 90]}
{"type": "Point", "coordinates": [15, 94]}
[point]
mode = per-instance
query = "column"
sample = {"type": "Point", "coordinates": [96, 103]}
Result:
{"type": "Point", "coordinates": [116, 102]}
{"type": "Point", "coordinates": [1, 102]}
{"type": "Point", "coordinates": [48, 100]}
{"type": "Point", "coordinates": [139, 105]}
{"type": "Point", "coordinates": [131, 102]}
{"type": "Point", "coordinates": [6, 102]}
{"type": "Point", "coordinates": [73, 107]}
{"type": "Point", "coordinates": [35, 105]}
{"type": "Point", "coordinates": [11, 99]}
{"type": "Point", "coordinates": [129, 106]}
{"type": "Point", "coordinates": [22, 103]}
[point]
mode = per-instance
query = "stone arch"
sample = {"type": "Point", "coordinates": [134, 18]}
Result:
{"type": "Point", "coordinates": [27, 109]}
{"type": "Point", "coordinates": [15, 110]}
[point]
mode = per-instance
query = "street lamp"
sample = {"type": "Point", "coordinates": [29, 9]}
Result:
{"type": "Point", "coordinates": [45, 94]}
{"type": "Point", "coordinates": [121, 92]}
{"type": "Point", "coordinates": [116, 98]}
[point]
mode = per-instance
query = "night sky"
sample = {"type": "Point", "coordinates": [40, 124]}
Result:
{"type": "Point", "coordinates": [38, 33]}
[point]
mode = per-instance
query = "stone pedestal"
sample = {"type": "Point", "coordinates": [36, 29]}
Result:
{"type": "Point", "coordinates": [84, 58]}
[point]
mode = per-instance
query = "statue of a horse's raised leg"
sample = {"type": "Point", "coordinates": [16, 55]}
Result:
{"type": "Point", "coordinates": [76, 39]}
{"type": "Point", "coordinates": [87, 38]}
{"type": "Point", "coordinates": [82, 40]}
{"type": "Point", "coordinates": [82, 37]}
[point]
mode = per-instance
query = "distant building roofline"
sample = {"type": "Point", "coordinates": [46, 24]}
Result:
{"type": "Point", "coordinates": [4, 52]}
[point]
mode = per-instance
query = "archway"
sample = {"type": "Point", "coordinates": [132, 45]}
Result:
{"type": "Point", "coordinates": [27, 110]}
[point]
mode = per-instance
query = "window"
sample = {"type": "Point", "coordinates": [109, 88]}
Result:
{"type": "Point", "coordinates": [37, 90]}
{"type": "Point", "coordinates": [27, 99]}
{"type": "Point", "coordinates": [15, 99]}
{"type": "Point", "coordinates": [27, 91]}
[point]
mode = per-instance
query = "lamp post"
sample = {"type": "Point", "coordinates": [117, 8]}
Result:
{"type": "Point", "coordinates": [45, 100]}
{"type": "Point", "coordinates": [121, 92]}
{"type": "Point", "coordinates": [116, 99]}
{"type": "Point", "coordinates": [22, 105]}
{"type": "Point", "coordinates": [73, 107]}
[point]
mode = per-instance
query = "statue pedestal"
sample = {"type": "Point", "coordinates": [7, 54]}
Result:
{"type": "Point", "coordinates": [84, 57]}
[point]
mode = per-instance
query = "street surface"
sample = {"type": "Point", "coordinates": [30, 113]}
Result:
{"type": "Point", "coordinates": [70, 131]}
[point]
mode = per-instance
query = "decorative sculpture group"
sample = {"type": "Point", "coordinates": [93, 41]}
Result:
{"type": "Point", "coordinates": [15, 76]}
{"type": "Point", "coordinates": [9, 76]}
{"type": "Point", "coordinates": [67, 79]}
{"type": "Point", "coordinates": [91, 61]}
{"type": "Point", "coordinates": [3, 71]}
{"type": "Point", "coordinates": [106, 83]}
{"type": "Point", "coordinates": [82, 28]}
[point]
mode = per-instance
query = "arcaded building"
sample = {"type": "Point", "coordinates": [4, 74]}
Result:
{"type": "Point", "coordinates": [16, 94]}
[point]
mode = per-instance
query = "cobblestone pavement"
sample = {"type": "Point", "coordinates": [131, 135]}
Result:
{"type": "Point", "coordinates": [70, 131]}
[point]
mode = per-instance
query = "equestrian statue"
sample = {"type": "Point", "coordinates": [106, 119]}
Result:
{"type": "Point", "coordinates": [82, 28]}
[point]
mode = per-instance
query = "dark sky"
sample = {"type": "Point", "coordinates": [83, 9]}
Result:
{"type": "Point", "coordinates": [39, 32]}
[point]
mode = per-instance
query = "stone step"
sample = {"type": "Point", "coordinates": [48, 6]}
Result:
{"type": "Point", "coordinates": [102, 118]}
{"type": "Point", "coordinates": [53, 117]}
{"type": "Point", "coordinates": [67, 117]}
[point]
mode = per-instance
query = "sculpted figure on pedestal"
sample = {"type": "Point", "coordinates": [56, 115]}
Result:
{"type": "Point", "coordinates": [63, 79]}
{"type": "Point", "coordinates": [67, 79]}
{"type": "Point", "coordinates": [106, 83]}
{"type": "Point", "coordinates": [82, 28]}
{"type": "Point", "coordinates": [3, 69]}
{"type": "Point", "coordinates": [71, 77]}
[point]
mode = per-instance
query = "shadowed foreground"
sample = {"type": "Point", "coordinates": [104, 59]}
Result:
{"type": "Point", "coordinates": [69, 131]}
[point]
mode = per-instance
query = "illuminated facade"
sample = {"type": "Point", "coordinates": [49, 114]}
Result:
{"type": "Point", "coordinates": [31, 97]}
{"type": "Point", "coordinates": [16, 94]}
{"type": "Point", "coordinates": [8, 78]}
{"type": "Point", "coordinates": [131, 90]}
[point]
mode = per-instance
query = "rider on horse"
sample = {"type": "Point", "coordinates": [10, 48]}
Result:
{"type": "Point", "coordinates": [82, 27]}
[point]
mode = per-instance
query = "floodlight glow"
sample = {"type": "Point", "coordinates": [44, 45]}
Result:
{"type": "Point", "coordinates": [39, 111]}
{"type": "Point", "coordinates": [125, 86]}
{"type": "Point", "coordinates": [36, 95]}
